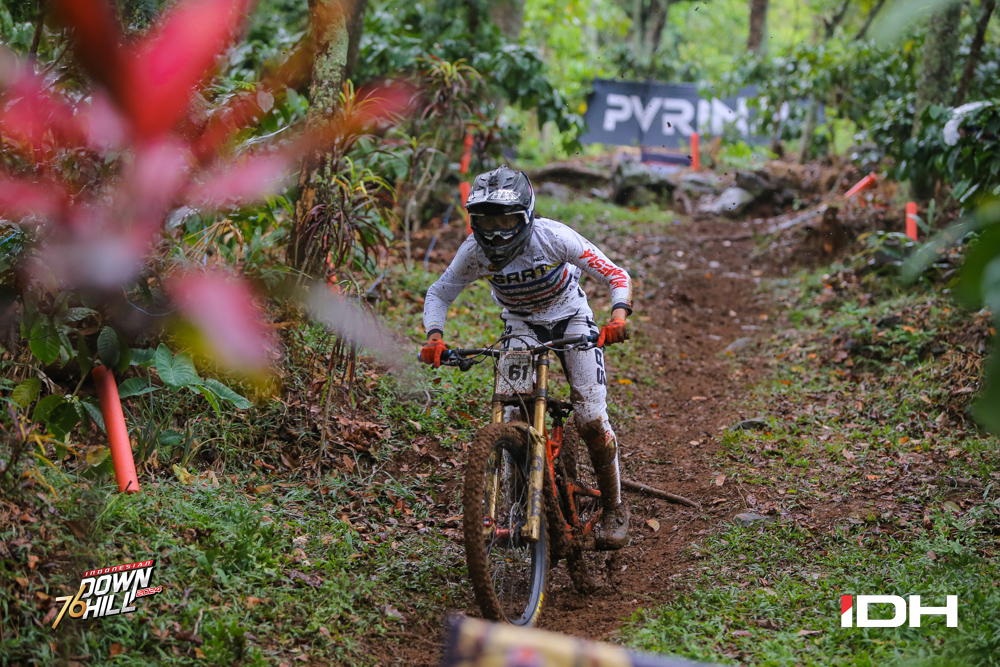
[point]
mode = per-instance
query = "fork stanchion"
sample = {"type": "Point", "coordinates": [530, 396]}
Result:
{"type": "Point", "coordinates": [114, 424]}
{"type": "Point", "coordinates": [695, 152]}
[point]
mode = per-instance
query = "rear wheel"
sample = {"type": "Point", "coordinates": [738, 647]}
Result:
{"type": "Point", "coordinates": [507, 572]}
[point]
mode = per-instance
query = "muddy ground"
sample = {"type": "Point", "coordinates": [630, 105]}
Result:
{"type": "Point", "coordinates": [707, 301]}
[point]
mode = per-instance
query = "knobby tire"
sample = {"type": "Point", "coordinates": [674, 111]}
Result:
{"type": "Point", "coordinates": [501, 437]}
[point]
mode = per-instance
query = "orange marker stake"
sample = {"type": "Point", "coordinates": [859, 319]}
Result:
{"type": "Point", "coordinates": [464, 188]}
{"type": "Point", "coordinates": [114, 424]}
{"type": "Point", "coordinates": [463, 168]}
{"type": "Point", "coordinates": [911, 220]}
{"type": "Point", "coordinates": [864, 183]}
{"type": "Point", "coordinates": [695, 152]}
{"type": "Point", "coordinates": [466, 155]}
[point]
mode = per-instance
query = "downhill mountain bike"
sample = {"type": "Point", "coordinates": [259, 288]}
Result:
{"type": "Point", "coordinates": [524, 502]}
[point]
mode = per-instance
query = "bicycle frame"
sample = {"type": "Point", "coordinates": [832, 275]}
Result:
{"type": "Point", "coordinates": [544, 450]}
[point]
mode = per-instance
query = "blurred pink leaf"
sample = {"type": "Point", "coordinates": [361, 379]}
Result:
{"type": "Point", "coordinates": [222, 308]}
{"type": "Point", "coordinates": [250, 180]}
{"type": "Point", "coordinates": [150, 186]}
{"type": "Point", "coordinates": [168, 64]}
{"type": "Point", "coordinates": [106, 128]}
{"type": "Point", "coordinates": [97, 39]}
{"type": "Point", "coordinates": [30, 115]}
{"type": "Point", "coordinates": [350, 322]}
{"type": "Point", "coordinates": [20, 199]}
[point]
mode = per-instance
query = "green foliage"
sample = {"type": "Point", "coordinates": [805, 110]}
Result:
{"type": "Point", "coordinates": [396, 40]}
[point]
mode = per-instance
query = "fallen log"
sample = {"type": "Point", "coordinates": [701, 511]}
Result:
{"type": "Point", "coordinates": [652, 491]}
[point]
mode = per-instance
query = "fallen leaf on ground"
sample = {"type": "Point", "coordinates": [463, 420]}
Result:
{"type": "Point", "coordinates": [116, 649]}
{"type": "Point", "coordinates": [720, 480]}
{"type": "Point", "coordinates": [803, 633]}
{"type": "Point", "coordinates": [391, 612]}
{"type": "Point", "coordinates": [742, 633]}
{"type": "Point", "coordinates": [654, 524]}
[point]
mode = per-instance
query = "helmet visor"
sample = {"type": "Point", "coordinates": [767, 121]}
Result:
{"type": "Point", "coordinates": [504, 226]}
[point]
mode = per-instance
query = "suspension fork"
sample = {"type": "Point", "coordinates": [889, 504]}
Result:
{"type": "Point", "coordinates": [536, 475]}
{"type": "Point", "coordinates": [493, 486]}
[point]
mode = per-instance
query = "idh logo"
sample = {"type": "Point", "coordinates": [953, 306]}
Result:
{"type": "Point", "coordinates": [902, 610]}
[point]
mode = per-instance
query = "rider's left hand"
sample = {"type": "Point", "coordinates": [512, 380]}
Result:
{"type": "Point", "coordinates": [616, 331]}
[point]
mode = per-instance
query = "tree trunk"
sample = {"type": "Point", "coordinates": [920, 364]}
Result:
{"type": "Point", "coordinates": [868, 20]}
{"type": "Point", "coordinates": [830, 25]}
{"type": "Point", "coordinates": [986, 8]}
{"type": "Point", "coordinates": [330, 41]}
{"type": "Point", "coordinates": [654, 31]}
{"type": "Point", "coordinates": [937, 68]}
{"type": "Point", "coordinates": [355, 28]}
{"type": "Point", "coordinates": [936, 77]}
{"type": "Point", "coordinates": [758, 26]}
{"type": "Point", "coordinates": [508, 15]}
{"type": "Point", "coordinates": [808, 128]}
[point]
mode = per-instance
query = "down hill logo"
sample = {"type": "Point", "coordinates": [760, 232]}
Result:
{"type": "Point", "coordinates": [99, 589]}
{"type": "Point", "coordinates": [949, 611]}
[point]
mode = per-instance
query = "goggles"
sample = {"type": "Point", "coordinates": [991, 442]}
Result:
{"type": "Point", "coordinates": [503, 226]}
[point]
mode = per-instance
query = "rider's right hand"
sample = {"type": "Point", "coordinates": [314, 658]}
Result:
{"type": "Point", "coordinates": [431, 353]}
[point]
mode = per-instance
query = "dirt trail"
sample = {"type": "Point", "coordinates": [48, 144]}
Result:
{"type": "Point", "coordinates": [707, 301]}
{"type": "Point", "coordinates": [672, 442]}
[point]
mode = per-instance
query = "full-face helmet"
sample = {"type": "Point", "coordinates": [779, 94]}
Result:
{"type": "Point", "coordinates": [501, 213]}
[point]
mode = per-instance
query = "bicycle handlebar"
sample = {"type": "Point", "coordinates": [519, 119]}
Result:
{"type": "Point", "coordinates": [461, 357]}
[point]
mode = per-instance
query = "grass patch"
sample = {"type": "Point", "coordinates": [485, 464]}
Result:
{"type": "Point", "coordinates": [875, 478]}
{"type": "Point", "coordinates": [770, 595]}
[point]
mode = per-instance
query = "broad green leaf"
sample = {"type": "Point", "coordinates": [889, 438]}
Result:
{"type": "Point", "coordinates": [62, 420]}
{"type": "Point", "coordinates": [108, 350]}
{"type": "Point", "coordinates": [94, 410]}
{"type": "Point", "coordinates": [44, 340]}
{"type": "Point", "coordinates": [75, 314]}
{"type": "Point", "coordinates": [143, 357]}
{"type": "Point", "coordinates": [25, 393]}
{"type": "Point", "coordinates": [225, 393]}
{"type": "Point", "coordinates": [45, 407]}
{"type": "Point", "coordinates": [165, 366]}
{"type": "Point", "coordinates": [126, 357]}
{"type": "Point", "coordinates": [184, 372]}
{"type": "Point", "coordinates": [134, 387]}
{"type": "Point", "coordinates": [978, 257]}
{"type": "Point", "coordinates": [83, 356]}
{"type": "Point", "coordinates": [212, 399]}
{"type": "Point", "coordinates": [985, 406]}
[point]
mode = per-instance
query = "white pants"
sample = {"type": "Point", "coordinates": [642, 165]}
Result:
{"type": "Point", "coordinates": [588, 392]}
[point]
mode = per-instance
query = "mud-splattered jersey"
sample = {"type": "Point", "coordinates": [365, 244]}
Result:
{"type": "Point", "coordinates": [541, 285]}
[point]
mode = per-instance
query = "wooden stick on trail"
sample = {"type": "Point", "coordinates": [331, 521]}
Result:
{"type": "Point", "coordinates": [645, 488]}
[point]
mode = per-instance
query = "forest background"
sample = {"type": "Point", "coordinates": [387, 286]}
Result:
{"type": "Point", "coordinates": [220, 199]}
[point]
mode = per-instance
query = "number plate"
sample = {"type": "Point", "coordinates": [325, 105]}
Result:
{"type": "Point", "coordinates": [515, 373]}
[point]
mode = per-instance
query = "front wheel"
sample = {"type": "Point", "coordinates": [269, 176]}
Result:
{"type": "Point", "coordinates": [508, 573]}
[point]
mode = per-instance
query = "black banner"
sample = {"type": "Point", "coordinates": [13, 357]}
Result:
{"type": "Point", "coordinates": [660, 115]}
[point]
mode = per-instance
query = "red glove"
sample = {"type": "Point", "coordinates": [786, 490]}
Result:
{"type": "Point", "coordinates": [615, 331]}
{"type": "Point", "coordinates": [431, 353]}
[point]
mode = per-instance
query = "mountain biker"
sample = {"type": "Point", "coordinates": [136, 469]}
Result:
{"type": "Point", "coordinates": [534, 265]}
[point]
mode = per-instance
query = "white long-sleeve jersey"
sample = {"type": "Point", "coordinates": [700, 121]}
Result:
{"type": "Point", "coordinates": [541, 285]}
